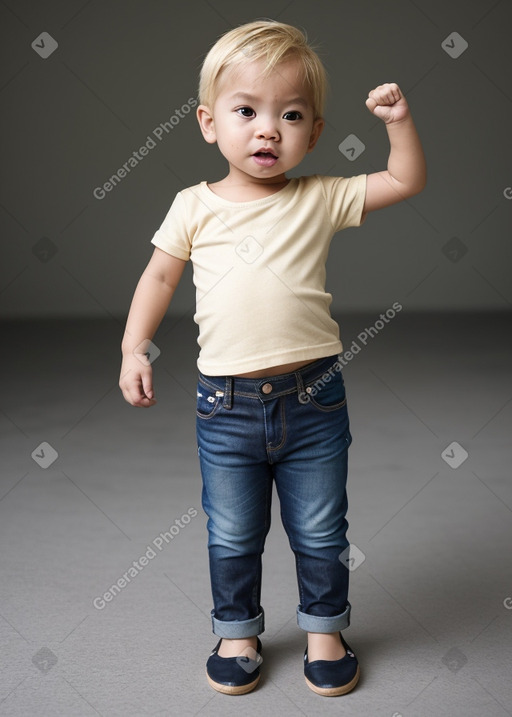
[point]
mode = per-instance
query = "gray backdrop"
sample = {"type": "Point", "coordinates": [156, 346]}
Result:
{"type": "Point", "coordinates": [73, 116]}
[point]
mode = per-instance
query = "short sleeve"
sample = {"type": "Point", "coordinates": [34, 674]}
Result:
{"type": "Point", "coordinates": [344, 197]}
{"type": "Point", "coordinates": [173, 236]}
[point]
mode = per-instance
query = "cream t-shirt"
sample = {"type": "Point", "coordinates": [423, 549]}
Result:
{"type": "Point", "coordinates": [259, 269]}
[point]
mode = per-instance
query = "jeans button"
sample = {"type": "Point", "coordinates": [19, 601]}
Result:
{"type": "Point", "coordinates": [267, 388]}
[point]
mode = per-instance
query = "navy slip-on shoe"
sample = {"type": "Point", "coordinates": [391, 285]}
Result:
{"type": "Point", "coordinates": [234, 675]}
{"type": "Point", "coordinates": [331, 678]}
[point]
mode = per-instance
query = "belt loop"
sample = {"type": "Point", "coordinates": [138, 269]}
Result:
{"type": "Point", "coordinates": [228, 393]}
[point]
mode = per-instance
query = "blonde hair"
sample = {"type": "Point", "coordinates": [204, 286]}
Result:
{"type": "Point", "coordinates": [263, 39]}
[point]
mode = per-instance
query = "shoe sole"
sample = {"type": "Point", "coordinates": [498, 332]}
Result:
{"type": "Point", "coordinates": [232, 689]}
{"type": "Point", "coordinates": [334, 691]}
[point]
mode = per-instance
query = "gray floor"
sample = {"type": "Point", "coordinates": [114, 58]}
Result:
{"type": "Point", "coordinates": [432, 598]}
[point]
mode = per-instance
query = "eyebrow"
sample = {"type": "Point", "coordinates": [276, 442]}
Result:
{"type": "Point", "coordinates": [251, 98]}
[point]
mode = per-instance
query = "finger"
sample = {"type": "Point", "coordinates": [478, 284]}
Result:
{"type": "Point", "coordinates": [147, 385]}
{"type": "Point", "coordinates": [378, 96]}
{"type": "Point", "coordinates": [145, 402]}
{"type": "Point", "coordinates": [145, 394]}
{"type": "Point", "coordinates": [141, 401]}
{"type": "Point", "coordinates": [371, 103]}
{"type": "Point", "coordinates": [394, 93]}
{"type": "Point", "coordinates": [386, 94]}
{"type": "Point", "coordinates": [134, 395]}
{"type": "Point", "coordinates": [385, 97]}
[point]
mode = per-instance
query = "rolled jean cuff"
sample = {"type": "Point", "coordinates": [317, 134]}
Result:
{"type": "Point", "coordinates": [236, 629]}
{"type": "Point", "coordinates": [316, 623]}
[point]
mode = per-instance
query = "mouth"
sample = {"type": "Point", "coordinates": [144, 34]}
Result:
{"type": "Point", "coordinates": [265, 159]}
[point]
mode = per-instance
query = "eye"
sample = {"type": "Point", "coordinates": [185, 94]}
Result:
{"type": "Point", "coordinates": [245, 111]}
{"type": "Point", "coordinates": [292, 115]}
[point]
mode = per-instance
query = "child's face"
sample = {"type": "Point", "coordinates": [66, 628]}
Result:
{"type": "Point", "coordinates": [251, 114]}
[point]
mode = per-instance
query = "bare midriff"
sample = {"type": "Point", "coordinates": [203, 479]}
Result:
{"type": "Point", "coordinates": [275, 370]}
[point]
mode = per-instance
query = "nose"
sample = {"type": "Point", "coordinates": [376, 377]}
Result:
{"type": "Point", "coordinates": [267, 129]}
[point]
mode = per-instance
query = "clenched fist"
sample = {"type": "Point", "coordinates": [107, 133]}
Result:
{"type": "Point", "coordinates": [388, 103]}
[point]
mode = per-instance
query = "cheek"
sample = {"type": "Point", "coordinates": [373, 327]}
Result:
{"type": "Point", "coordinates": [234, 137]}
{"type": "Point", "coordinates": [300, 141]}
{"type": "Point", "coordinates": [228, 144]}
{"type": "Point", "coordinates": [228, 139]}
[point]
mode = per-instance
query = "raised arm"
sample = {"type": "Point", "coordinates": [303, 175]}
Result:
{"type": "Point", "coordinates": [406, 174]}
{"type": "Point", "coordinates": [150, 302]}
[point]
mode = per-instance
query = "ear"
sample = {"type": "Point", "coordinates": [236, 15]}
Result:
{"type": "Point", "coordinates": [318, 126]}
{"type": "Point", "coordinates": [205, 119]}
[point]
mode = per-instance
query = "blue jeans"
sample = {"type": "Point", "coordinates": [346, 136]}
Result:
{"type": "Point", "coordinates": [292, 429]}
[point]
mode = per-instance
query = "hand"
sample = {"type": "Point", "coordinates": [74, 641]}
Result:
{"type": "Point", "coordinates": [388, 103]}
{"type": "Point", "coordinates": [136, 380]}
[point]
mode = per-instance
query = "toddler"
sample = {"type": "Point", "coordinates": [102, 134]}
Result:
{"type": "Point", "coordinates": [271, 404]}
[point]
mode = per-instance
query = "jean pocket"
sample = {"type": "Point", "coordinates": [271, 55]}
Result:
{"type": "Point", "coordinates": [327, 393]}
{"type": "Point", "coordinates": [208, 401]}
